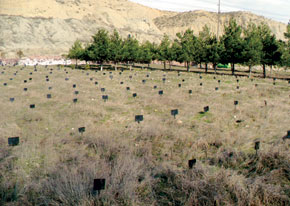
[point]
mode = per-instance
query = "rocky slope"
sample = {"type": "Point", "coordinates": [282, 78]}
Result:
{"type": "Point", "coordinates": [49, 27]}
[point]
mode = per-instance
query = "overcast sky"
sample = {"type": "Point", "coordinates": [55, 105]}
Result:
{"type": "Point", "coordinates": [274, 9]}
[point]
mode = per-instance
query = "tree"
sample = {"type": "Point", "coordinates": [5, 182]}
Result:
{"type": "Point", "coordinates": [187, 42]}
{"type": "Point", "coordinates": [115, 48]}
{"type": "Point", "coordinates": [252, 49]}
{"type": "Point", "coordinates": [76, 51]}
{"type": "Point", "coordinates": [271, 54]}
{"type": "Point", "coordinates": [130, 50]}
{"type": "Point", "coordinates": [99, 49]}
{"type": "Point", "coordinates": [20, 54]}
{"type": "Point", "coordinates": [233, 45]}
{"type": "Point", "coordinates": [163, 50]}
{"type": "Point", "coordinates": [203, 47]}
{"type": "Point", "coordinates": [215, 51]}
{"type": "Point", "coordinates": [145, 53]}
{"type": "Point", "coordinates": [286, 48]}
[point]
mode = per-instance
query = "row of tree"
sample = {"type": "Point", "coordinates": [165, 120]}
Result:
{"type": "Point", "coordinates": [254, 45]}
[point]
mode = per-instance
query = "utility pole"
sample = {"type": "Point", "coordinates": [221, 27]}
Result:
{"type": "Point", "coordinates": [219, 12]}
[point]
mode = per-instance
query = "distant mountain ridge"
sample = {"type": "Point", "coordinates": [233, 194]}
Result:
{"type": "Point", "coordinates": [49, 27]}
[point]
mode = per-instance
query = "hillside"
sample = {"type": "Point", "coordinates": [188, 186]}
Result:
{"type": "Point", "coordinates": [49, 27]}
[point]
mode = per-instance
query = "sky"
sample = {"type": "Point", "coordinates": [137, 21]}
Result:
{"type": "Point", "coordinates": [278, 10]}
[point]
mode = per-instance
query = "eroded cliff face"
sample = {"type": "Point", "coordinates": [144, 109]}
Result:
{"type": "Point", "coordinates": [49, 27]}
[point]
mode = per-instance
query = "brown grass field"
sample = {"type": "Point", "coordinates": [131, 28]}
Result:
{"type": "Point", "coordinates": [146, 163]}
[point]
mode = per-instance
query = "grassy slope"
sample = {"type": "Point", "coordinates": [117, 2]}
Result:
{"type": "Point", "coordinates": [146, 163]}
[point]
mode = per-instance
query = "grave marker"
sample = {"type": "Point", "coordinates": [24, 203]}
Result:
{"type": "Point", "coordinates": [74, 86]}
{"type": "Point", "coordinates": [66, 79]}
{"type": "Point", "coordinates": [191, 163]}
{"type": "Point", "coordinates": [48, 96]}
{"type": "Point", "coordinates": [105, 98]}
{"type": "Point", "coordinates": [5, 84]}
{"type": "Point", "coordinates": [143, 81]}
{"type": "Point", "coordinates": [206, 109]}
{"type": "Point", "coordinates": [135, 95]}
{"type": "Point", "coordinates": [160, 92]}
{"type": "Point", "coordinates": [12, 99]}
{"type": "Point", "coordinates": [139, 118]}
{"type": "Point", "coordinates": [103, 89]}
{"type": "Point", "coordinates": [13, 141]}
{"type": "Point", "coordinates": [82, 130]}
{"type": "Point", "coordinates": [190, 91]}
{"type": "Point", "coordinates": [76, 92]}
{"type": "Point", "coordinates": [216, 89]}
{"type": "Point", "coordinates": [200, 84]}
{"type": "Point", "coordinates": [25, 89]}
{"type": "Point", "coordinates": [75, 100]}
{"type": "Point", "coordinates": [127, 88]}
{"type": "Point", "coordinates": [99, 184]}
{"type": "Point", "coordinates": [174, 112]}
{"type": "Point", "coordinates": [96, 83]}
{"type": "Point", "coordinates": [155, 87]}
{"type": "Point", "coordinates": [32, 106]}
{"type": "Point", "coordinates": [179, 85]}
{"type": "Point", "coordinates": [257, 146]}
{"type": "Point", "coordinates": [49, 88]}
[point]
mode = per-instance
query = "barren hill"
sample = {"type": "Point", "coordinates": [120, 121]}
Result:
{"type": "Point", "coordinates": [49, 27]}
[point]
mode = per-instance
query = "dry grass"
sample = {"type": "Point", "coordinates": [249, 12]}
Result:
{"type": "Point", "coordinates": [146, 163]}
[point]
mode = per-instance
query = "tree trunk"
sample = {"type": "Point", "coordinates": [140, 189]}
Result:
{"type": "Point", "coordinates": [206, 68]}
{"type": "Point", "coordinates": [170, 65]}
{"type": "Point", "coordinates": [130, 67]}
{"type": "Point", "coordinates": [148, 65]}
{"type": "Point", "coordinates": [115, 66]}
{"type": "Point", "coordinates": [187, 66]}
{"type": "Point", "coordinates": [233, 69]}
{"type": "Point", "coordinates": [200, 66]}
{"type": "Point", "coordinates": [164, 65]}
{"type": "Point", "coordinates": [264, 70]}
{"type": "Point", "coordinates": [271, 70]}
{"type": "Point", "coordinates": [76, 63]}
{"type": "Point", "coordinates": [214, 66]}
{"type": "Point", "coordinates": [250, 71]}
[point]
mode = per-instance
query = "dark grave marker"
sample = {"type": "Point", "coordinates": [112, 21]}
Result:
{"type": "Point", "coordinates": [135, 95]}
{"type": "Point", "coordinates": [11, 79]}
{"type": "Point", "coordinates": [190, 91]}
{"type": "Point", "coordinates": [12, 99]}
{"type": "Point", "coordinates": [46, 76]}
{"type": "Point", "coordinates": [50, 72]}
{"type": "Point", "coordinates": [257, 146]}
{"type": "Point", "coordinates": [160, 92]}
{"type": "Point", "coordinates": [103, 89]}
{"type": "Point", "coordinates": [96, 83]}
{"type": "Point", "coordinates": [121, 82]}
{"type": "Point", "coordinates": [206, 109]}
{"type": "Point", "coordinates": [48, 96]}
{"type": "Point", "coordinates": [66, 72]}
{"type": "Point", "coordinates": [256, 85]}
{"type": "Point", "coordinates": [66, 79]}
{"type": "Point", "coordinates": [105, 98]}
{"type": "Point", "coordinates": [252, 80]}
{"type": "Point", "coordinates": [238, 87]}
{"type": "Point", "coordinates": [30, 79]}
{"type": "Point", "coordinates": [139, 118]}
{"type": "Point", "coordinates": [49, 88]}
{"type": "Point", "coordinates": [32, 106]}
{"type": "Point", "coordinates": [274, 83]}
{"type": "Point", "coordinates": [216, 89]}
{"type": "Point", "coordinates": [99, 184]}
{"type": "Point", "coordinates": [75, 100]}
{"type": "Point", "coordinates": [200, 77]}
{"type": "Point", "coordinates": [91, 79]}
{"type": "Point", "coordinates": [111, 76]}
{"type": "Point", "coordinates": [147, 75]}
{"type": "Point", "coordinates": [191, 163]}
{"type": "Point", "coordinates": [179, 85]}
{"type": "Point", "coordinates": [236, 102]}
{"type": "Point", "coordinates": [164, 79]}
{"type": "Point", "coordinates": [120, 73]}
{"type": "Point", "coordinates": [200, 84]}
{"type": "Point", "coordinates": [74, 85]}
{"type": "Point", "coordinates": [130, 77]}
{"type": "Point", "coordinates": [127, 88]}
{"type": "Point", "coordinates": [5, 84]}
{"type": "Point", "coordinates": [155, 87]}
{"type": "Point", "coordinates": [214, 77]}
{"type": "Point", "coordinates": [183, 80]}
{"type": "Point", "coordinates": [82, 130]}
{"type": "Point", "coordinates": [104, 73]}
{"type": "Point", "coordinates": [47, 80]}
{"type": "Point", "coordinates": [219, 81]}
{"type": "Point", "coordinates": [238, 81]}
{"type": "Point", "coordinates": [76, 92]}
{"type": "Point", "coordinates": [143, 81]}
{"type": "Point", "coordinates": [13, 141]}
{"type": "Point", "coordinates": [287, 136]}
{"type": "Point", "coordinates": [174, 112]}
{"type": "Point", "coordinates": [25, 89]}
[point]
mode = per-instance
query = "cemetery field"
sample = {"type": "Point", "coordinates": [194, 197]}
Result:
{"type": "Point", "coordinates": [239, 148]}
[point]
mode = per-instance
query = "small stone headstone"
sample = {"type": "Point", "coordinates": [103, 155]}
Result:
{"type": "Point", "coordinates": [174, 112]}
{"type": "Point", "coordinates": [155, 87]}
{"type": "Point", "coordinates": [216, 89]}
{"type": "Point", "coordinates": [47, 80]}
{"type": "Point", "coordinates": [76, 92]}
{"type": "Point", "coordinates": [66, 79]}
{"type": "Point", "coordinates": [111, 76]}
{"type": "Point", "coordinates": [32, 106]}
{"type": "Point", "coordinates": [49, 88]}
{"type": "Point", "coordinates": [121, 82]}
{"type": "Point", "coordinates": [200, 84]}
{"type": "Point", "coordinates": [96, 83]}
{"type": "Point", "coordinates": [75, 100]}
{"type": "Point", "coordinates": [74, 85]}
{"type": "Point", "coordinates": [127, 88]}
{"type": "Point", "coordinates": [160, 92]}
{"type": "Point", "coordinates": [82, 130]}
{"type": "Point", "coordinates": [179, 85]}
{"type": "Point", "coordinates": [164, 79]}
{"type": "Point", "coordinates": [219, 81]}
{"type": "Point", "coordinates": [99, 184]}
{"type": "Point", "coordinates": [13, 141]}
{"type": "Point", "coordinates": [135, 95]}
{"type": "Point", "coordinates": [139, 118]}
{"type": "Point", "coordinates": [206, 109]}
{"type": "Point", "coordinates": [190, 91]}
{"type": "Point", "coordinates": [200, 77]}
{"type": "Point", "coordinates": [103, 89]}
{"type": "Point", "coordinates": [143, 81]}
{"type": "Point", "coordinates": [25, 89]}
{"type": "Point", "coordinates": [191, 163]}
{"type": "Point", "coordinates": [238, 87]}
{"type": "Point", "coordinates": [5, 84]}
{"type": "Point", "coordinates": [30, 79]}
{"type": "Point", "coordinates": [48, 96]}
{"type": "Point", "coordinates": [11, 99]}
{"type": "Point", "coordinates": [105, 98]}
{"type": "Point", "coordinates": [236, 103]}
{"type": "Point", "coordinates": [257, 146]}
{"type": "Point", "coordinates": [91, 79]}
